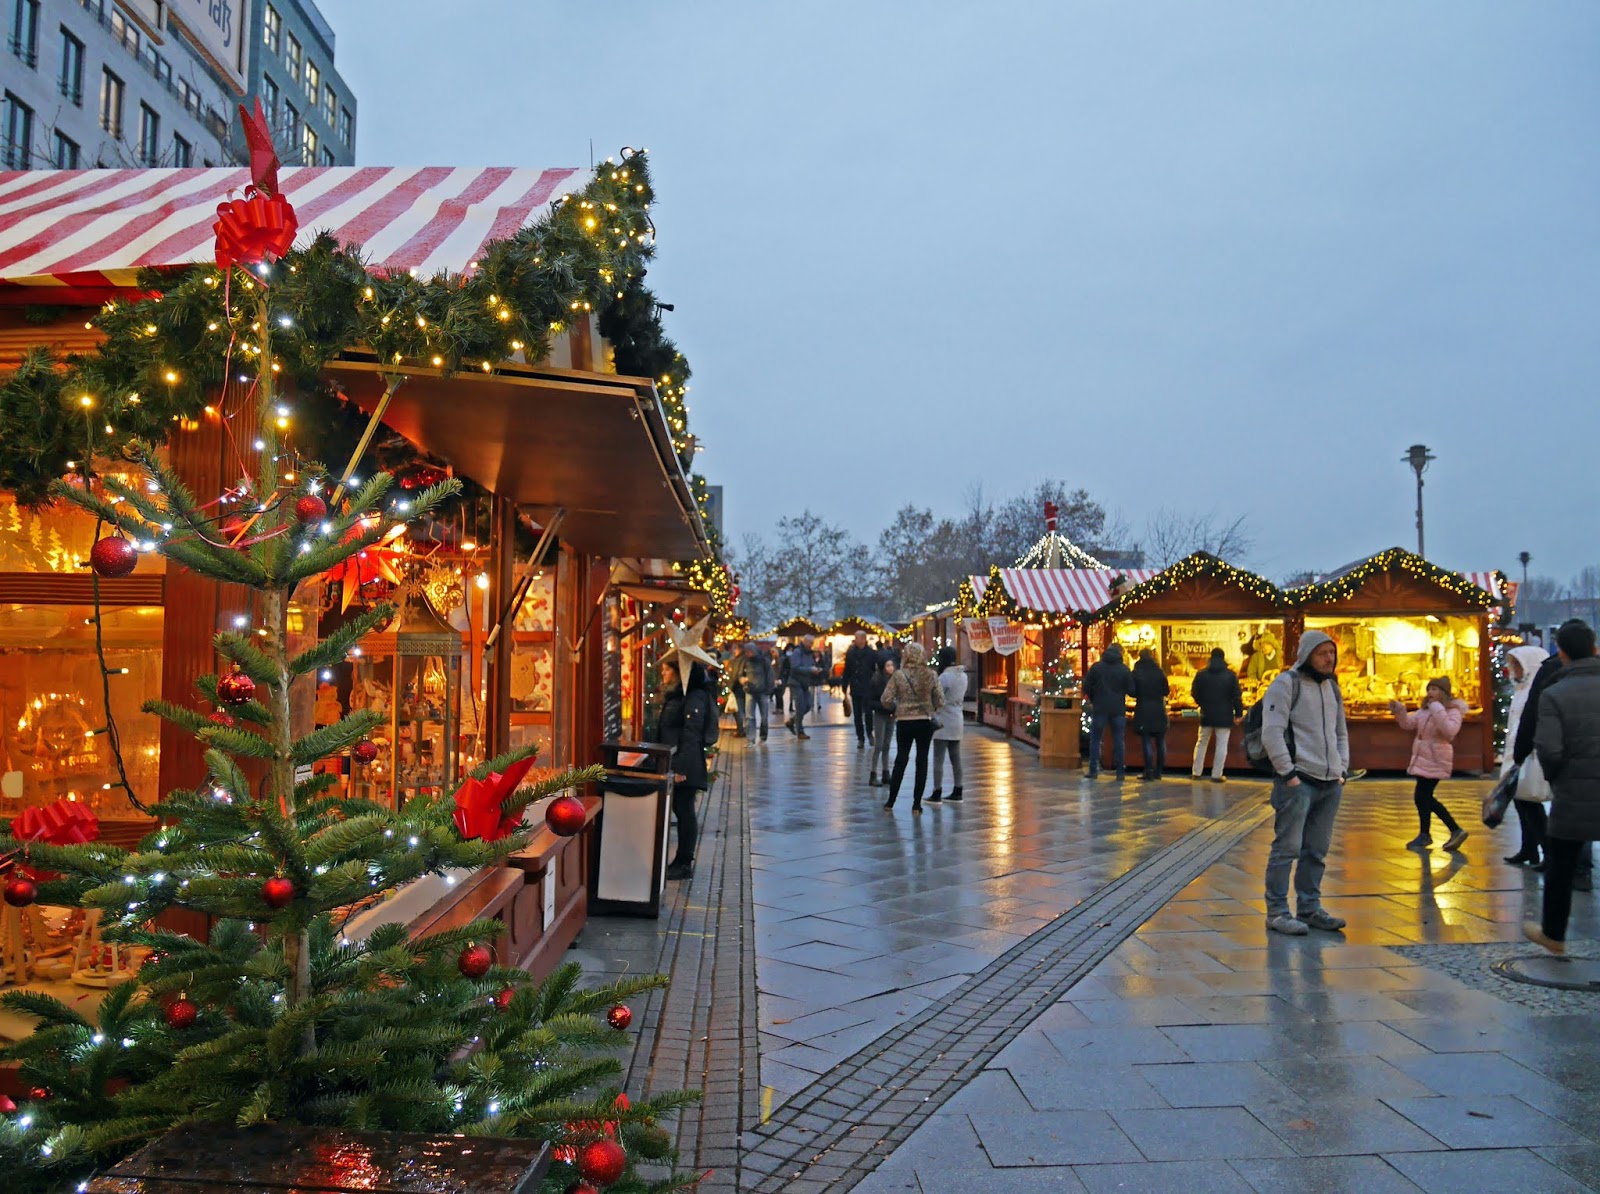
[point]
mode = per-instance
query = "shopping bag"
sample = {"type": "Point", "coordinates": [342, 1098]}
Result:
{"type": "Point", "coordinates": [1531, 783]}
{"type": "Point", "coordinates": [1499, 798]}
{"type": "Point", "coordinates": [847, 704]}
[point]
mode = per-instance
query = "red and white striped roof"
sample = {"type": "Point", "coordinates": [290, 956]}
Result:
{"type": "Point", "coordinates": [1487, 581]}
{"type": "Point", "coordinates": [1060, 590]}
{"type": "Point", "coordinates": [93, 228]}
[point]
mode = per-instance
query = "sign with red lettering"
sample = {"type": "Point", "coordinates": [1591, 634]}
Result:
{"type": "Point", "coordinates": [978, 636]}
{"type": "Point", "coordinates": [1007, 636]}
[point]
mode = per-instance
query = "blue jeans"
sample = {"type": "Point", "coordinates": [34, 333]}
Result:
{"type": "Point", "coordinates": [1303, 831]}
{"type": "Point", "coordinates": [758, 711]}
{"type": "Point", "coordinates": [1118, 724]}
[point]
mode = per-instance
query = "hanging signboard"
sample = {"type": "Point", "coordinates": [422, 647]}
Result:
{"type": "Point", "coordinates": [978, 636]}
{"type": "Point", "coordinates": [1007, 636]}
{"type": "Point", "coordinates": [220, 30]}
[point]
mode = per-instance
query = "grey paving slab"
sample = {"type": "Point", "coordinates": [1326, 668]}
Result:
{"type": "Point", "coordinates": [1081, 1087]}
{"type": "Point", "coordinates": [1213, 1084]}
{"type": "Point", "coordinates": [1162, 1177]}
{"type": "Point", "coordinates": [1054, 1138]}
{"type": "Point", "coordinates": [1499, 1169]}
{"type": "Point", "coordinates": [1325, 1175]}
{"type": "Point", "coordinates": [1581, 1162]}
{"type": "Point", "coordinates": [1199, 1133]}
{"type": "Point", "coordinates": [1345, 1078]}
{"type": "Point", "coordinates": [1326, 1127]}
{"type": "Point", "coordinates": [1485, 1121]}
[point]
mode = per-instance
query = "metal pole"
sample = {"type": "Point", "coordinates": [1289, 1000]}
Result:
{"type": "Point", "coordinates": [1421, 551]}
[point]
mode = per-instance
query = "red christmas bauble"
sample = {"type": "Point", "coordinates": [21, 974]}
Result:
{"type": "Point", "coordinates": [278, 892]}
{"type": "Point", "coordinates": [602, 1161]}
{"type": "Point", "coordinates": [503, 1000]}
{"type": "Point", "coordinates": [112, 556]}
{"type": "Point", "coordinates": [6, 1105]}
{"type": "Point", "coordinates": [475, 961]}
{"type": "Point", "coordinates": [21, 892]}
{"type": "Point", "coordinates": [39, 1094]}
{"type": "Point", "coordinates": [310, 508]}
{"type": "Point", "coordinates": [235, 688]}
{"type": "Point", "coordinates": [677, 617]}
{"type": "Point", "coordinates": [221, 718]}
{"type": "Point", "coordinates": [181, 1013]}
{"type": "Point", "coordinates": [620, 1017]}
{"type": "Point", "coordinates": [565, 816]}
{"type": "Point", "coordinates": [365, 752]}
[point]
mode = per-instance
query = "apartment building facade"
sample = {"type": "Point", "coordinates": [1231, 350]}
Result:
{"type": "Point", "coordinates": [311, 109]}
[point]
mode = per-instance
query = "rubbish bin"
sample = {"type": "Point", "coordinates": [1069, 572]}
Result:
{"type": "Point", "coordinates": [629, 869]}
{"type": "Point", "coordinates": [1059, 718]}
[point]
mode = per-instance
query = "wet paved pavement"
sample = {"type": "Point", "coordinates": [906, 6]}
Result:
{"type": "Point", "coordinates": [1196, 1053]}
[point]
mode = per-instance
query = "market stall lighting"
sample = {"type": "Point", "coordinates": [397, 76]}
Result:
{"type": "Point", "coordinates": [1342, 588]}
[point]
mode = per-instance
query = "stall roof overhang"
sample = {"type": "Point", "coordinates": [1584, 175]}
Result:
{"type": "Point", "coordinates": [595, 445]}
{"type": "Point", "coordinates": [1059, 590]}
{"type": "Point", "coordinates": [79, 234]}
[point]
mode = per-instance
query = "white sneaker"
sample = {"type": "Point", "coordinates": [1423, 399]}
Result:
{"type": "Point", "coordinates": [1287, 925]}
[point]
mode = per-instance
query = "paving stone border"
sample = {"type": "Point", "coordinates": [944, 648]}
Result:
{"type": "Point", "coordinates": [1472, 964]}
{"type": "Point", "coordinates": [836, 1131]}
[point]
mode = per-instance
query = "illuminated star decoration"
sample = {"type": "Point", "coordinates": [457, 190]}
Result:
{"type": "Point", "coordinates": [687, 644]}
{"type": "Point", "coordinates": [383, 560]}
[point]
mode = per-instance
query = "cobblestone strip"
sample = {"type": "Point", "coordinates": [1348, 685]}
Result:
{"type": "Point", "coordinates": [836, 1131]}
{"type": "Point", "coordinates": [697, 1029]}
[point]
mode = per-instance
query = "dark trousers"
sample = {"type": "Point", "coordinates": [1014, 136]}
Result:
{"type": "Point", "coordinates": [861, 710]}
{"type": "Point", "coordinates": [918, 732]}
{"type": "Point", "coordinates": [1155, 754]}
{"type": "Point", "coordinates": [1428, 805]}
{"type": "Point", "coordinates": [1117, 723]}
{"type": "Point", "coordinates": [1561, 857]}
{"type": "Point", "coordinates": [1533, 819]}
{"type": "Point", "coordinates": [683, 798]}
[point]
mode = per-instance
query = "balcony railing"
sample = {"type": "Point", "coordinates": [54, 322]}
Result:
{"type": "Point", "coordinates": [158, 68]}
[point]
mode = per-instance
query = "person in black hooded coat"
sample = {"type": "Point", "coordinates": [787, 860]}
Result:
{"type": "Point", "coordinates": [1216, 691]}
{"type": "Point", "coordinates": [1150, 690]}
{"type": "Point", "coordinates": [681, 725]}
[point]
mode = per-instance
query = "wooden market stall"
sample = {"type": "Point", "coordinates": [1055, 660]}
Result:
{"type": "Point", "coordinates": [514, 624]}
{"type": "Point", "coordinates": [1400, 621]}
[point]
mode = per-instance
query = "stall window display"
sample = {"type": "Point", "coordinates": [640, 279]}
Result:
{"type": "Point", "coordinates": [1030, 663]}
{"type": "Point", "coordinates": [51, 710]}
{"type": "Point", "coordinates": [1383, 659]}
{"type": "Point", "coordinates": [1253, 649]}
{"type": "Point", "coordinates": [533, 665]}
{"type": "Point", "coordinates": [54, 539]}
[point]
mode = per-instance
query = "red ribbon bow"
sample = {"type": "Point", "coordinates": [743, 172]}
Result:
{"type": "Point", "coordinates": [254, 228]}
{"type": "Point", "coordinates": [588, 1129]}
{"type": "Point", "coordinates": [64, 823]}
{"type": "Point", "coordinates": [478, 801]}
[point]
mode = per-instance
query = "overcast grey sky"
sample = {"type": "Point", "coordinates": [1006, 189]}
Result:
{"type": "Point", "coordinates": [1219, 255]}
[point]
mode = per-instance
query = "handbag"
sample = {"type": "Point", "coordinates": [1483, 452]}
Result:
{"type": "Point", "coordinates": [1532, 784]}
{"type": "Point", "coordinates": [1500, 797]}
{"type": "Point", "coordinates": [847, 704]}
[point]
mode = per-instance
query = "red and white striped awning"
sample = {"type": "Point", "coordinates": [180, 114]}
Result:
{"type": "Point", "coordinates": [1060, 590]}
{"type": "Point", "coordinates": [89, 229]}
{"type": "Point", "coordinates": [1487, 581]}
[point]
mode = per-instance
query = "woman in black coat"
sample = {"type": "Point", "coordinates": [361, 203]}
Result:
{"type": "Point", "coordinates": [682, 726]}
{"type": "Point", "coordinates": [1150, 712]}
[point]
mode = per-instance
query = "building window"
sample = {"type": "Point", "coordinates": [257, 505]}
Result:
{"type": "Point", "coordinates": [182, 152]}
{"type": "Point", "coordinates": [149, 136]}
{"type": "Point", "coordinates": [19, 134]}
{"type": "Point", "coordinates": [269, 99]}
{"type": "Point", "coordinates": [66, 155]}
{"type": "Point", "coordinates": [327, 157]}
{"type": "Point", "coordinates": [71, 68]}
{"type": "Point", "coordinates": [294, 58]}
{"type": "Point", "coordinates": [291, 123]}
{"type": "Point", "coordinates": [191, 97]}
{"type": "Point", "coordinates": [330, 101]}
{"type": "Point", "coordinates": [273, 31]}
{"type": "Point", "coordinates": [347, 128]}
{"type": "Point", "coordinates": [127, 34]}
{"type": "Point", "coordinates": [111, 103]}
{"type": "Point", "coordinates": [308, 146]}
{"type": "Point", "coordinates": [313, 81]}
{"type": "Point", "coordinates": [25, 32]}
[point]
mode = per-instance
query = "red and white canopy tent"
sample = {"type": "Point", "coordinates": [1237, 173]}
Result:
{"type": "Point", "coordinates": [1061, 590]}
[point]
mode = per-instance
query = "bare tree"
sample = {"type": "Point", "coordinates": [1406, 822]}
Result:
{"type": "Point", "coordinates": [1020, 522]}
{"type": "Point", "coordinates": [759, 582]}
{"type": "Point", "coordinates": [1172, 534]}
{"type": "Point", "coordinates": [811, 564]}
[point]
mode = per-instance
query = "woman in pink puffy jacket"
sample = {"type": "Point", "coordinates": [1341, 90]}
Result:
{"type": "Point", "coordinates": [1433, 757]}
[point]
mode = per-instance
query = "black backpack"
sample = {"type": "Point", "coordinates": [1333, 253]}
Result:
{"type": "Point", "coordinates": [711, 727]}
{"type": "Point", "coordinates": [1254, 748]}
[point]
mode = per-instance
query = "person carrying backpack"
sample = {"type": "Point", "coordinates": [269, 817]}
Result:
{"type": "Point", "coordinates": [686, 720]}
{"type": "Point", "coordinates": [1307, 741]}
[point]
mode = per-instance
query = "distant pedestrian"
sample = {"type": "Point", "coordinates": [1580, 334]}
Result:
{"type": "Point", "coordinates": [1150, 690]}
{"type": "Point", "coordinates": [913, 693]}
{"type": "Point", "coordinates": [1216, 691]}
{"type": "Point", "coordinates": [734, 673]}
{"type": "Point", "coordinates": [805, 671]}
{"type": "Point", "coordinates": [1522, 664]}
{"type": "Point", "coordinates": [948, 724]}
{"type": "Point", "coordinates": [860, 664]}
{"type": "Point", "coordinates": [1568, 744]}
{"type": "Point", "coordinates": [758, 686]}
{"type": "Point", "coordinates": [1106, 687]}
{"type": "Point", "coordinates": [1527, 731]}
{"type": "Point", "coordinates": [1307, 739]}
{"type": "Point", "coordinates": [1433, 757]}
{"type": "Point", "coordinates": [882, 726]}
{"type": "Point", "coordinates": [682, 723]}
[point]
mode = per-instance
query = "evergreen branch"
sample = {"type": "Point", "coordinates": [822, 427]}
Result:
{"type": "Point", "coordinates": [252, 660]}
{"type": "Point", "coordinates": [336, 646]}
{"type": "Point", "coordinates": [340, 736]}
{"type": "Point", "coordinates": [238, 742]}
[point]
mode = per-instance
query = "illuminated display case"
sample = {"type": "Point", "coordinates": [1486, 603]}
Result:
{"type": "Point", "coordinates": [1392, 658]}
{"type": "Point", "coordinates": [1254, 649]}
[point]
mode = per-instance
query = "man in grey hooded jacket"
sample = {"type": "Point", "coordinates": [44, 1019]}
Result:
{"type": "Point", "coordinates": [1307, 739]}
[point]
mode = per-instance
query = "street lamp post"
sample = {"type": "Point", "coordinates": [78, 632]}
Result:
{"type": "Point", "coordinates": [1418, 457]}
{"type": "Point", "coordinates": [1523, 558]}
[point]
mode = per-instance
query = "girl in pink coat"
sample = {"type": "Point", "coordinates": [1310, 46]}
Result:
{"type": "Point", "coordinates": [1433, 757]}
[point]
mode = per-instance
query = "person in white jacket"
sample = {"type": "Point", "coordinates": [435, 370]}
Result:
{"type": "Point", "coordinates": [1532, 790]}
{"type": "Point", "coordinates": [948, 723]}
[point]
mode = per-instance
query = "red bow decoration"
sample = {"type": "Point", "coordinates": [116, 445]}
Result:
{"type": "Point", "coordinates": [64, 823]}
{"type": "Point", "coordinates": [254, 228]}
{"type": "Point", "coordinates": [478, 801]}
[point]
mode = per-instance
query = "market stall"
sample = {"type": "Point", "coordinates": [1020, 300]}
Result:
{"type": "Point", "coordinates": [1400, 621]}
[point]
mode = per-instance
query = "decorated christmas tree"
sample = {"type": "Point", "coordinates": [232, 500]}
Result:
{"type": "Point", "coordinates": [279, 1015]}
